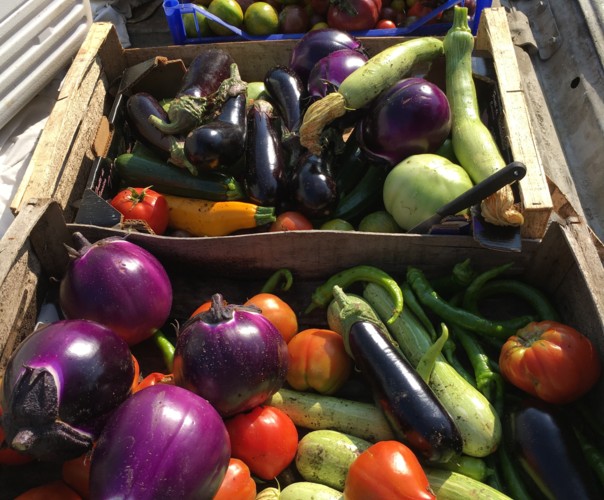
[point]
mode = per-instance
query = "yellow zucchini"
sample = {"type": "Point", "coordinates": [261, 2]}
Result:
{"type": "Point", "coordinates": [215, 218]}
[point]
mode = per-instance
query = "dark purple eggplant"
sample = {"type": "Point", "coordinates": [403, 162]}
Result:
{"type": "Point", "coordinates": [206, 72]}
{"type": "Point", "coordinates": [542, 440]}
{"type": "Point", "coordinates": [312, 185]}
{"type": "Point", "coordinates": [139, 107]}
{"type": "Point", "coordinates": [264, 180]}
{"type": "Point", "coordinates": [205, 88]}
{"type": "Point", "coordinates": [412, 409]}
{"type": "Point", "coordinates": [221, 142]}
{"type": "Point", "coordinates": [316, 44]}
{"type": "Point", "coordinates": [288, 94]}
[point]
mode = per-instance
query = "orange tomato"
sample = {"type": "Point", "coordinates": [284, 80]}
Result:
{"type": "Point", "coordinates": [237, 482]}
{"type": "Point", "coordinates": [76, 474]}
{"type": "Point", "coordinates": [137, 373]}
{"type": "Point", "coordinates": [318, 360]}
{"type": "Point", "coordinates": [202, 308]}
{"type": "Point", "coordinates": [278, 312]}
{"type": "Point", "coordinates": [387, 469]}
{"type": "Point", "coordinates": [291, 221]}
{"type": "Point", "coordinates": [55, 490]}
{"type": "Point", "coordinates": [153, 379]}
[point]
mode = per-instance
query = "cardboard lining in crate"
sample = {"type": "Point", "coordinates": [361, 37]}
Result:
{"type": "Point", "coordinates": [78, 130]}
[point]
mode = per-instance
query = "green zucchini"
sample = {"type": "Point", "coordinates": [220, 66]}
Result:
{"type": "Point", "coordinates": [475, 417]}
{"type": "Point", "coordinates": [305, 490]}
{"type": "Point", "coordinates": [365, 84]}
{"type": "Point", "coordinates": [325, 456]}
{"type": "Point", "coordinates": [473, 144]}
{"type": "Point", "coordinates": [364, 197]}
{"type": "Point", "coordinates": [448, 485]}
{"type": "Point", "coordinates": [315, 411]}
{"type": "Point", "coordinates": [142, 171]}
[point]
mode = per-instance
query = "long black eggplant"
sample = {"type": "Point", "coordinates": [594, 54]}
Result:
{"type": "Point", "coordinates": [415, 414]}
{"type": "Point", "coordinates": [139, 108]}
{"type": "Point", "coordinates": [264, 179]}
{"type": "Point", "coordinates": [221, 142]}
{"type": "Point", "coordinates": [206, 72]}
{"type": "Point", "coordinates": [312, 186]}
{"type": "Point", "coordinates": [548, 451]}
{"type": "Point", "coordinates": [204, 87]}
{"type": "Point", "coordinates": [288, 95]}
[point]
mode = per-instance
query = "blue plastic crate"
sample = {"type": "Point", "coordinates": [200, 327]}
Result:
{"type": "Point", "coordinates": [175, 10]}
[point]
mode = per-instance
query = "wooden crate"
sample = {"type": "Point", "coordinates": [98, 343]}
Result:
{"type": "Point", "coordinates": [77, 130]}
{"type": "Point", "coordinates": [564, 264]}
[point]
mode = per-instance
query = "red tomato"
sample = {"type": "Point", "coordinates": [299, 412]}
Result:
{"type": "Point", "coordinates": [294, 19]}
{"type": "Point", "coordinates": [8, 456]}
{"type": "Point", "coordinates": [319, 6]}
{"type": "Point", "coordinates": [56, 490]}
{"type": "Point", "coordinates": [143, 204]}
{"type": "Point", "coordinates": [76, 474]}
{"type": "Point", "coordinates": [387, 469]}
{"type": "Point", "coordinates": [421, 9]}
{"type": "Point", "coordinates": [318, 360]}
{"type": "Point", "coordinates": [550, 360]}
{"type": "Point", "coordinates": [354, 15]}
{"type": "Point", "coordinates": [237, 483]}
{"type": "Point", "coordinates": [265, 438]}
{"type": "Point", "coordinates": [137, 373]}
{"type": "Point", "coordinates": [291, 221]}
{"type": "Point", "coordinates": [153, 379]}
{"type": "Point", "coordinates": [279, 313]}
{"type": "Point", "coordinates": [385, 24]}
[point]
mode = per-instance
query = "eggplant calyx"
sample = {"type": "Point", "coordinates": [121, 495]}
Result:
{"type": "Point", "coordinates": [178, 157]}
{"type": "Point", "coordinates": [31, 419]}
{"type": "Point", "coordinates": [186, 112]}
{"type": "Point", "coordinates": [221, 311]}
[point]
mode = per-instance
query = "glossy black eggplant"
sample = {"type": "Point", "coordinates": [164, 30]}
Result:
{"type": "Point", "coordinates": [414, 412]}
{"type": "Point", "coordinates": [288, 95]}
{"type": "Point", "coordinates": [264, 180]}
{"type": "Point", "coordinates": [206, 72]}
{"type": "Point", "coordinates": [205, 87]}
{"type": "Point", "coordinates": [542, 440]}
{"type": "Point", "coordinates": [312, 186]}
{"type": "Point", "coordinates": [221, 142]}
{"type": "Point", "coordinates": [139, 107]}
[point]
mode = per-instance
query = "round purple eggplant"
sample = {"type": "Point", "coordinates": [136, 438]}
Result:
{"type": "Point", "coordinates": [118, 284]}
{"type": "Point", "coordinates": [232, 356]}
{"type": "Point", "coordinates": [315, 45]}
{"type": "Point", "coordinates": [163, 442]}
{"type": "Point", "coordinates": [330, 71]}
{"type": "Point", "coordinates": [411, 117]}
{"type": "Point", "coordinates": [61, 384]}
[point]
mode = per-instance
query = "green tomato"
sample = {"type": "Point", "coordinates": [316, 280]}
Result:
{"type": "Point", "coordinates": [379, 221]}
{"type": "Point", "coordinates": [337, 225]}
{"type": "Point", "coordinates": [419, 185]}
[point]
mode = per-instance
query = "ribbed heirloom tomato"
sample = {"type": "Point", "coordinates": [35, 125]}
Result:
{"type": "Point", "coordinates": [550, 360]}
{"type": "Point", "coordinates": [318, 360]}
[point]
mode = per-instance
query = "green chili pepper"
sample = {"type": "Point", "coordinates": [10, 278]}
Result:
{"type": "Point", "coordinates": [514, 485]}
{"type": "Point", "coordinates": [532, 295]}
{"type": "Point", "coordinates": [455, 315]}
{"type": "Point", "coordinates": [165, 347]}
{"type": "Point", "coordinates": [417, 309]}
{"type": "Point", "coordinates": [426, 363]}
{"type": "Point", "coordinates": [275, 278]}
{"type": "Point", "coordinates": [324, 293]}
{"type": "Point", "coordinates": [471, 294]}
{"type": "Point", "coordinates": [461, 276]}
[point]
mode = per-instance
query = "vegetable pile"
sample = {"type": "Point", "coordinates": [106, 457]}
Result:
{"type": "Point", "coordinates": [465, 385]}
{"type": "Point", "coordinates": [335, 140]}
